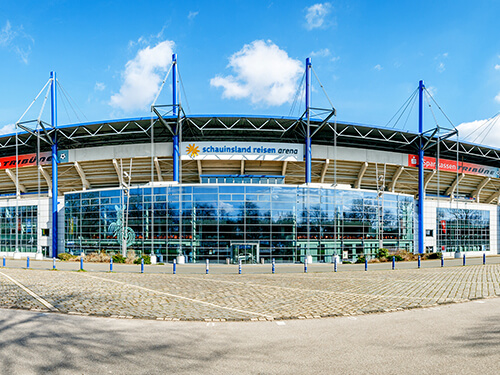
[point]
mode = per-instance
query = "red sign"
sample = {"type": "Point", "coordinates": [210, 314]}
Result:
{"type": "Point", "coordinates": [451, 166]}
{"type": "Point", "coordinates": [443, 226]}
{"type": "Point", "coordinates": [9, 162]}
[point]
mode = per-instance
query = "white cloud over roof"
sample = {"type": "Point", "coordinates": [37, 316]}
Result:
{"type": "Point", "coordinates": [263, 72]}
{"type": "Point", "coordinates": [8, 129]}
{"type": "Point", "coordinates": [485, 132]}
{"type": "Point", "coordinates": [142, 77]}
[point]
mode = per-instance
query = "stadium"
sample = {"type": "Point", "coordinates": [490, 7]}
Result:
{"type": "Point", "coordinates": [250, 188]}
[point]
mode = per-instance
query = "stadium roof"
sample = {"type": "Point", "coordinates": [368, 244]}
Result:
{"type": "Point", "coordinates": [252, 128]}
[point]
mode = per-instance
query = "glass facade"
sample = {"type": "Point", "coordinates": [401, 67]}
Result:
{"type": "Point", "coordinates": [463, 229]}
{"type": "Point", "coordinates": [239, 221]}
{"type": "Point", "coordinates": [26, 225]}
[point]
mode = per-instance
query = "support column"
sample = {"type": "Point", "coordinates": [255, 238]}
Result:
{"type": "Point", "coordinates": [53, 113]}
{"type": "Point", "coordinates": [175, 138]}
{"type": "Point", "coordinates": [174, 84]}
{"type": "Point", "coordinates": [308, 115]}
{"type": "Point", "coordinates": [421, 190]}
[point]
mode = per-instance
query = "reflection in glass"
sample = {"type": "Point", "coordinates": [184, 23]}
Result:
{"type": "Point", "coordinates": [274, 221]}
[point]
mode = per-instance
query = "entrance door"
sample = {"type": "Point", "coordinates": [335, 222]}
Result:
{"type": "Point", "coordinates": [246, 252]}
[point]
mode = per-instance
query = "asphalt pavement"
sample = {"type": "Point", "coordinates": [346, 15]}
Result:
{"type": "Point", "coordinates": [450, 339]}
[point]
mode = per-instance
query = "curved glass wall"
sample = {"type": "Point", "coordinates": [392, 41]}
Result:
{"type": "Point", "coordinates": [239, 221]}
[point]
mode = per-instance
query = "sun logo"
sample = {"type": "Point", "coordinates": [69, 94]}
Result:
{"type": "Point", "coordinates": [192, 150]}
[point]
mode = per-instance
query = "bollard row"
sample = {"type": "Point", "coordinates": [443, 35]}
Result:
{"type": "Point", "coordinates": [273, 262]}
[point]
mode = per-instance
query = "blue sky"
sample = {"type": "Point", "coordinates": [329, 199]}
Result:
{"type": "Point", "coordinates": [242, 57]}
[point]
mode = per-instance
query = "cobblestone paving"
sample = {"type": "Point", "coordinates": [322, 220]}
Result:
{"type": "Point", "coordinates": [246, 297]}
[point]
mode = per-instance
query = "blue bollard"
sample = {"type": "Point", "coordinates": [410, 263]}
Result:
{"type": "Point", "coordinates": [419, 261]}
{"type": "Point", "coordinates": [239, 267]}
{"type": "Point", "coordinates": [393, 262]}
{"type": "Point", "coordinates": [4, 261]}
{"type": "Point", "coordinates": [174, 267]}
{"type": "Point", "coordinates": [81, 263]}
{"type": "Point", "coordinates": [54, 263]}
{"type": "Point", "coordinates": [335, 265]}
{"type": "Point", "coordinates": [463, 263]}
{"type": "Point", "coordinates": [305, 265]}
{"type": "Point", "coordinates": [142, 265]}
{"type": "Point", "coordinates": [206, 269]}
{"type": "Point", "coordinates": [442, 260]}
{"type": "Point", "coordinates": [274, 266]}
{"type": "Point", "coordinates": [111, 264]}
{"type": "Point", "coordinates": [366, 264]}
{"type": "Point", "coordinates": [28, 262]}
{"type": "Point", "coordinates": [484, 259]}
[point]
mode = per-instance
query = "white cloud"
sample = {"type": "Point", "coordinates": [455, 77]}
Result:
{"type": "Point", "coordinates": [316, 15]}
{"type": "Point", "coordinates": [145, 41]}
{"type": "Point", "coordinates": [439, 58]}
{"type": "Point", "coordinates": [497, 67]}
{"type": "Point", "coordinates": [15, 39]}
{"type": "Point", "coordinates": [141, 77]}
{"type": "Point", "coordinates": [321, 53]}
{"type": "Point", "coordinates": [192, 15]}
{"type": "Point", "coordinates": [8, 129]}
{"type": "Point", "coordinates": [378, 67]}
{"type": "Point", "coordinates": [264, 73]}
{"type": "Point", "coordinates": [6, 34]}
{"type": "Point", "coordinates": [486, 132]}
{"type": "Point", "coordinates": [229, 208]}
{"type": "Point", "coordinates": [497, 98]}
{"type": "Point", "coordinates": [432, 90]}
{"type": "Point", "coordinates": [99, 86]}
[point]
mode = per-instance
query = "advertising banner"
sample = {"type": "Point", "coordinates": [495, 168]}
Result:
{"type": "Point", "coordinates": [27, 160]}
{"type": "Point", "coordinates": [242, 151]}
{"type": "Point", "coordinates": [451, 166]}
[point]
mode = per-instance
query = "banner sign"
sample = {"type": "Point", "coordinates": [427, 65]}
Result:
{"type": "Point", "coordinates": [451, 166]}
{"type": "Point", "coordinates": [242, 150]}
{"type": "Point", "coordinates": [28, 160]}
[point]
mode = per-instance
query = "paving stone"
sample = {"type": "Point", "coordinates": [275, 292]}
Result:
{"type": "Point", "coordinates": [224, 297]}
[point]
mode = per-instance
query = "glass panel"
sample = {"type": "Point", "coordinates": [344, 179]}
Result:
{"type": "Point", "coordinates": [460, 230]}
